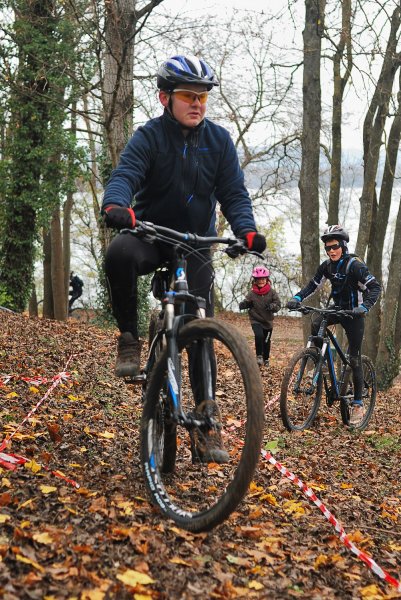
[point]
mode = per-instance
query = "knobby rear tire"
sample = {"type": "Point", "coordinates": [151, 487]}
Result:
{"type": "Point", "coordinates": [173, 495]}
{"type": "Point", "coordinates": [299, 402]}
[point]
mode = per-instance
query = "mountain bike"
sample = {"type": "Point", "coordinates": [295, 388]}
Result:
{"type": "Point", "coordinates": [200, 383]}
{"type": "Point", "coordinates": [312, 370]}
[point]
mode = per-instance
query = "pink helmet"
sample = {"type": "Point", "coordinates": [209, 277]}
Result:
{"type": "Point", "coordinates": [260, 272]}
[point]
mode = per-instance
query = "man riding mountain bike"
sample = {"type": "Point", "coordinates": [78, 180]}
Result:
{"type": "Point", "coordinates": [352, 288]}
{"type": "Point", "coordinates": [175, 168]}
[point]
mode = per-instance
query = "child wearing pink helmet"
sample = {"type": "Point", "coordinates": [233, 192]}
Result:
{"type": "Point", "coordinates": [262, 301]}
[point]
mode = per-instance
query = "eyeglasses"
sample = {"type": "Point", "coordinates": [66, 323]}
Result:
{"type": "Point", "coordinates": [190, 97]}
{"type": "Point", "coordinates": [332, 247]}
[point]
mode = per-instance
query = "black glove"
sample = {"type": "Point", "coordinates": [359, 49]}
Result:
{"type": "Point", "coordinates": [293, 304]}
{"type": "Point", "coordinates": [119, 217]}
{"type": "Point", "coordinates": [271, 307]}
{"type": "Point", "coordinates": [245, 304]}
{"type": "Point", "coordinates": [360, 310]}
{"type": "Point", "coordinates": [255, 241]}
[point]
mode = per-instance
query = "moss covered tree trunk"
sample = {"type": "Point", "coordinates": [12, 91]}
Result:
{"type": "Point", "coordinates": [34, 25]}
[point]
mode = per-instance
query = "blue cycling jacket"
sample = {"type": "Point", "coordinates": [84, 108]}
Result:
{"type": "Point", "coordinates": [351, 283]}
{"type": "Point", "coordinates": [175, 181]}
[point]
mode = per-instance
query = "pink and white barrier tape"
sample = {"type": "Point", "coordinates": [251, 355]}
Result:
{"type": "Point", "coordinates": [310, 494]}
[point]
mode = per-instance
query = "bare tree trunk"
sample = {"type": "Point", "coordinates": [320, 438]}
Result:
{"type": "Point", "coordinates": [338, 93]}
{"type": "Point", "coordinates": [310, 141]}
{"type": "Point", "coordinates": [397, 335]}
{"type": "Point", "coordinates": [118, 91]}
{"type": "Point", "coordinates": [378, 232]}
{"type": "Point", "coordinates": [48, 309]}
{"type": "Point", "coordinates": [66, 243]}
{"type": "Point", "coordinates": [33, 303]}
{"type": "Point", "coordinates": [121, 23]}
{"type": "Point", "coordinates": [57, 267]}
{"type": "Point", "coordinates": [373, 128]}
{"type": "Point", "coordinates": [67, 209]}
{"type": "Point", "coordinates": [388, 356]}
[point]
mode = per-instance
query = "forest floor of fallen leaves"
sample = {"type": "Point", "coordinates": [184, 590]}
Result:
{"type": "Point", "coordinates": [105, 541]}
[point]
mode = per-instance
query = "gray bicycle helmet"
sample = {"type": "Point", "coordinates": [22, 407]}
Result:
{"type": "Point", "coordinates": [336, 232]}
{"type": "Point", "coordinates": [180, 69]}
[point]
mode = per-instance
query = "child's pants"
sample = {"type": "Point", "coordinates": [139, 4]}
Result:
{"type": "Point", "coordinates": [262, 340]}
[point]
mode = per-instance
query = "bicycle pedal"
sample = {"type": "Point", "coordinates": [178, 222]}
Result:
{"type": "Point", "coordinates": [138, 380]}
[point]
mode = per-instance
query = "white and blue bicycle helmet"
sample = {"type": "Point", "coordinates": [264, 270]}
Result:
{"type": "Point", "coordinates": [181, 69]}
{"type": "Point", "coordinates": [336, 232]}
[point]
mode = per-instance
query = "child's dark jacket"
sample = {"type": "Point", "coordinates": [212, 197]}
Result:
{"type": "Point", "coordinates": [259, 313]}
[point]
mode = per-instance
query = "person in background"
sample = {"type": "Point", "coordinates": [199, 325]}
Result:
{"type": "Point", "coordinates": [262, 301]}
{"type": "Point", "coordinates": [352, 288]}
{"type": "Point", "coordinates": [76, 285]}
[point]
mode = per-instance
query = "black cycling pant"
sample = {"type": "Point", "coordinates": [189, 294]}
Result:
{"type": "Point", "coordinates": [128, 256]}
{"type": "Point", "coordinates": [354, 329]}
{"type": "Point", "coordinates": [262, 340]}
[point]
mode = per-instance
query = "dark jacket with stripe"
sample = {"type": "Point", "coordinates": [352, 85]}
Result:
{"type": "Point", "coordinates": [176, 180]}
{"type": "Point", "coordinates": [263, 307]}
{"type": "Point", "coordinates": [351, 283]}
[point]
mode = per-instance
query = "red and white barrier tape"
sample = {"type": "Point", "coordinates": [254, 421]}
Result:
{"type": "Point", "coordinates": [38, 380]}
{"type": "Point", "coordinates": [62, 376]}
{"type": "Point", "coordinates": [310, 494]}
{"type": "Point", "coordinates": [12, 461]}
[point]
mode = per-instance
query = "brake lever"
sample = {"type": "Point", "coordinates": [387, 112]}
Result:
{"type": "Point", "coordinates": [143, 229]}
{"type": "Point", "coordinates": [235, 249]}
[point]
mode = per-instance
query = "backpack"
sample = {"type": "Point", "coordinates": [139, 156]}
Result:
{"type": "Point", "coordinates": [351, 260]}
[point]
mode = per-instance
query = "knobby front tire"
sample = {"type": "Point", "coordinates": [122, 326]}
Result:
{"type": "Point", "coordinates": [166, 429]}
{"type": "Point", "coordinates": [300, 397]}
{"type": "Point", "coordinates": [196, 495]}
{"type": "Point", "coordinates": [368, 394]}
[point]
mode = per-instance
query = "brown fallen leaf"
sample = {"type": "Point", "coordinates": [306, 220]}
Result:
{"type": "Point", "coordinates": [54, 432]}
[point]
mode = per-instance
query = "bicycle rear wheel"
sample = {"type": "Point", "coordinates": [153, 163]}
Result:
{"type": "Point", "coordinates": [300, 395]}
{"type": "Point", "coordinates": [368, 394]}
{"type": "Point", "coordinates": [200, 495]}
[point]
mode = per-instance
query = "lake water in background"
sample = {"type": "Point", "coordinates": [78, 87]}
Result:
{"type": "Point", "coordinates": [283, 206]}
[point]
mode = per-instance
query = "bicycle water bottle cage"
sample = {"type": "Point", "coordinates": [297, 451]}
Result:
{"type": "Point", "coordinates": [160, 283]}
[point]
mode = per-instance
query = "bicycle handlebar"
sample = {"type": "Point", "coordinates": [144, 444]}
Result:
{"type": "Point", "coordinates": [235, 248]}
{"type": "Point", "coordinates": [325, 311]}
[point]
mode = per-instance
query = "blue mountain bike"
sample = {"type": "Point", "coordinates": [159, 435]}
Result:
{"type": "Point", "coordinates": [312, 371]}
{"type": "Point", "coordinates": [203, 411]}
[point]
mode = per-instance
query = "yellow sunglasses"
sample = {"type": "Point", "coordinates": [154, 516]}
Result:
{"type": "Point", "coordinates": [190, 97]}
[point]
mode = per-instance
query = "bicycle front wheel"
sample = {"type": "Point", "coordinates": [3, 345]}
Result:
{"type": "Point", "coordinates": [202, 491]}
{"type": "Point", "coordinates": [368, 394]}
{"type": "Point", "coordinates": [301, 391]}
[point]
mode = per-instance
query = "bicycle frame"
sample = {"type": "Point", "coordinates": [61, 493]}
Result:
{"type": "Point", "coordinates": [173, 306]}
{"type": "Point", "coordinates": [183, 419]}
{"type": "Point", "coordinates": [325, 341]}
